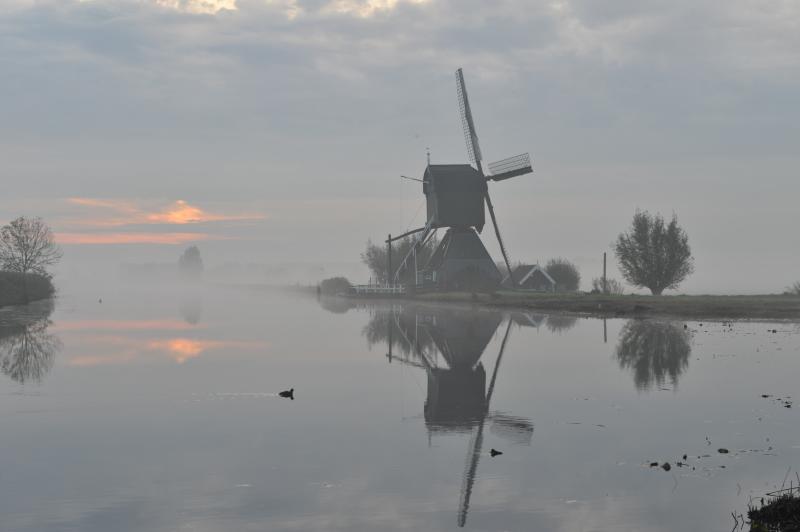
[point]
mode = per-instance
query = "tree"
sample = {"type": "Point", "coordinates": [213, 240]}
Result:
{"type": "Point", "coordinates": [794, 289]}
{"type": "Point", "coordinates": [612, 286]}
{"type": "Point", "coordinates": [376, 259]}
{"type": "Point", "coordinates": [27, 246]}
{"type": "Point", "coordinates": [190, 263]}
{"type": "Point", "coordinates": [653, 254]}
{"type": "Point", "coordinates": [564, 273]}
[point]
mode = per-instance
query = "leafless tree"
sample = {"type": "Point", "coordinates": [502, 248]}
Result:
{"type": "Point", "coordinates": [654, 254]}
{"type": "Point", "coordinates": [27, 246]}
{"type": "Point", "coordinates": [611, 286]}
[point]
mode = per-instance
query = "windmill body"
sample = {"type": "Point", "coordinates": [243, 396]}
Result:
{"type": "Point", "coordinates": [455, 196]}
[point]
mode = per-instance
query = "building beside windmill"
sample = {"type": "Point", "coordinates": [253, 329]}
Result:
{"type": "Point", "coordinates": [531, 277]}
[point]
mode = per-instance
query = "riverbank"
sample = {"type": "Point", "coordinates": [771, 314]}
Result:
{"type": "Point", "coordinates": [12, 288]}
{"type": "Point", "coordinates": [757, 307]}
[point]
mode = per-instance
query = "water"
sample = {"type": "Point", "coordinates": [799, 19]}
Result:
{"type": "Point", "coordinates": [158, 410]}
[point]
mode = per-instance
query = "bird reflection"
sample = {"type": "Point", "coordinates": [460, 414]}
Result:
{"type": "Point", "coordinates": [656, 351]}
{"type": "Point", "coordinates": [448, 343]}
{"type": "Point", "coordinates": [27, 350]}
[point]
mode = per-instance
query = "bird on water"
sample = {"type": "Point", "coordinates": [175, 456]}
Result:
{"type": "Point", "coordinates": [289, 394]}
{"type": "Point", "coordinates": [495, 452]}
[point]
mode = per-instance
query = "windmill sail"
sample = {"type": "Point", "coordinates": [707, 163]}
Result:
{"type": "Point", "coordinates": [473, 148]}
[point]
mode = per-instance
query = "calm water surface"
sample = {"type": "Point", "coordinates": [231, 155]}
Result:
{"type": "Point", "coordinates": [158, 410]}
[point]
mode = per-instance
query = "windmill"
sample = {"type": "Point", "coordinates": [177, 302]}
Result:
{"type": "Point", "coordinates": [455, 196]}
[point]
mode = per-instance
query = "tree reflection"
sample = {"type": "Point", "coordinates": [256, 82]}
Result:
{"type": "Point", "coordinates": [192, 309]}
{"type": "Point", "coordinates": [27, 349]}
{"type": "Point", "coordinates": [655, 351]}
{"type": "Point", "coordinates": [558, 323]}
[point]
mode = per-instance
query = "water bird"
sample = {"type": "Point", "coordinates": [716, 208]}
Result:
{"type": "Point", "coordinates": [288, 394]}
{"type": "Point", "coordinates": [100, 300]}
{"type": "Point", "coordinates": [495, 452]}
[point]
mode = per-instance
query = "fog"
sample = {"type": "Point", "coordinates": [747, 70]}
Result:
{"type": "Point", "coordinates": [275, 132]}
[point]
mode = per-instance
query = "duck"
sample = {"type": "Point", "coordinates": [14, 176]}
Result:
{"type": "Point", "coordinates": [495, 452]}
{"type": "Point", "coordinates": [288, 394]}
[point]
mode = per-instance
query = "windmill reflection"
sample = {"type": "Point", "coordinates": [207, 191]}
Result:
{"type": "Point", "coordinates": [27, 349]}
{"type": "Point", "coordinates": [656, 351]}
{"type": "Point", "coordinates": [448, 343]}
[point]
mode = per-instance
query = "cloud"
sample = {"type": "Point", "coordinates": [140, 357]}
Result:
{"type": "Point", "coordinates": [133, 238]}
{"type": "Point", "coordinates": [206, 7]}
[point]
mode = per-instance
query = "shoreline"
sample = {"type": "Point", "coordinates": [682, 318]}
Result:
{"type": "Point", "coordinates": [710, 307]}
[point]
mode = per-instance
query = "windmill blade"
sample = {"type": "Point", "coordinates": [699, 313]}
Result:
{"type": "Point", "coordinates": [499, 238]}
{"type": "Point", "coordinates": [476, 442]}
{"type": "Point", "coordinates": [471, 136]}
{"type": "Point", "coordinates": [510, 167]}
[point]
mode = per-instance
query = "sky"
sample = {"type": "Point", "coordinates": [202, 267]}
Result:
{"type": "Point", "coordinates": [275, 131]}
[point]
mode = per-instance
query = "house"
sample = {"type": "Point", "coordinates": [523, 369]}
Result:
{"type": "Point", "coordinates": [531, 277]}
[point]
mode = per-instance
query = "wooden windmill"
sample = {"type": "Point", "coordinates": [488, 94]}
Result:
{"type": "Point", "coordinates": [455, 196]}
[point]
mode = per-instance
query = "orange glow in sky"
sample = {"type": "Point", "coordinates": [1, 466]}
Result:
{"type": "Point", "coordinates": [133, 238]}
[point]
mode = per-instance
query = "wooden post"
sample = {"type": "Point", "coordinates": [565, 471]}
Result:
{"type": "Point", "coordinates": [389, 259]}
{"type": "Point", "coordinates": [605, 285]}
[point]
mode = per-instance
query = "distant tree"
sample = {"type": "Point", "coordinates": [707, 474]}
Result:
{"type": "Point", "coordinates": [334, 286]}
{"type": "Point", "coordinates": [376, 259]}
{"type": "Point", "coordinates": [190, 263]}
{"type": "Point", "coordinates": [794, 289]}
{"type": "Point", "coordinates": [612, 286]}
{"type": "Point", "coordinates": [27, 246]}
{"type": "Point", "coordinates": [653, 254]}
{"type": "Point", "coordinates": [564, 273]}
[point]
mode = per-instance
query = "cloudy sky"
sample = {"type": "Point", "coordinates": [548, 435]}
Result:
{"type": "Point", "coordinates": [276, 130]}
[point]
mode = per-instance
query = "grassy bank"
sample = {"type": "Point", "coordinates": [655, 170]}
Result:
{"type": "Point", "coordinates": [687, 307]}
{"type": "Point", "coordinates": [12, 288]}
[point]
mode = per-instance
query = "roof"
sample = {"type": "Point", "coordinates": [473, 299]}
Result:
{"type": "Point", "coordinates": [524, 271]}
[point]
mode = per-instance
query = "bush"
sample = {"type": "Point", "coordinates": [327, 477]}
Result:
{"type": "Point", "coordinates": [613, 286]}
{"type": "Point", "coordinates": [564, 273]}
{"type": "Point", "coordinates": [12, 288]}
{"type": "Point", "coordinates": [334, 286]}
{"type": "Point", "coordinates": [794, 289]}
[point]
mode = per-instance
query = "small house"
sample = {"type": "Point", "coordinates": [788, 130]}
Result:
{"type": "Point", "coordinates": [531, 277]}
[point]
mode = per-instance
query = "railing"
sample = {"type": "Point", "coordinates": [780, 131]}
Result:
{"type": "Point", "coordinates": [378, 289]}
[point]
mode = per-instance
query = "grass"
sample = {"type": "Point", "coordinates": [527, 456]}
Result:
{"type": "Point", "coordinates": [12, 288]}
{"type": "Point", "coordinates": [780, 512]}
{"type": "Point", "coordinates": [766, 306]}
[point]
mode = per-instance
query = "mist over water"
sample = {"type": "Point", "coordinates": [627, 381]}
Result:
{"type": "Point", "coordinates": [158, 409]}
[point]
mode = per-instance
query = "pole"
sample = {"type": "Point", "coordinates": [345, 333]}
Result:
{"type": "Point", "coordinates": [605, 285]}
{"type": "Point", "coordinates": [389, 259]}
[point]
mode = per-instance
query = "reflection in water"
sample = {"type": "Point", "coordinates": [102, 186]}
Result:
{"type": "Point", "coordinates": [27, 349]}
{"type": "Point", "coordinates": [192, 309]}
{"type": "Point", "coordinates": [559, 323]}
{"type": "Point", "coordinates": [655, 350]}
{"type": "Point", "coordinates": [448, 342]}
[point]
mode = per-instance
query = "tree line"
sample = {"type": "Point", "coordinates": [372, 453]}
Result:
{"type": "Point", "coordinates": [652, 253]}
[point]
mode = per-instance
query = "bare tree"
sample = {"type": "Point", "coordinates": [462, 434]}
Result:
{"type": "Point", "coordinates": [653, 254]}
{"type": "Point", "coordinates": [609, 286]}
{"type": "Point", "coordinates": [375, 257]}
{"type": "Point", "coordinates": [27, 246]}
